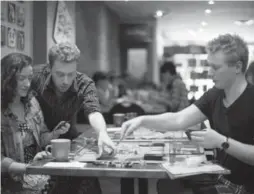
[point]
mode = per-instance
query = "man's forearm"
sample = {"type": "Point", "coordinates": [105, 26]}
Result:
{"type": "Point", "coordinates": [162, 122]}
{"type": "Point", "coordinates": [241, 151]}
{"type": "Point", "coordinates": [97, 122]}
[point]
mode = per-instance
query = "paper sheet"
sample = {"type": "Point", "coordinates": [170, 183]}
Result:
{"type": "Point", "coordinates": [179, 170]}
{"type": "Point", "coordinates": [114, 129]}
{"type": "Point", "coordinates": [65, 164]}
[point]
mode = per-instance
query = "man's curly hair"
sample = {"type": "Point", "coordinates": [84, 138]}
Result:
{"type": "Point", "coordinates": [11, 65]}
{"type": "Point", "coordinates": [64, 51]}
{"type": "Point", "coordinates": [233, 46]}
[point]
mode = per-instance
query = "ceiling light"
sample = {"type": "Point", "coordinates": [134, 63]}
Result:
{"type": "Point", "coordinates": [208, 11]}
{"type": "Point", "coordinates": [200, 29]}
{"type": "Point", "coordinates": [192, 32]}
{"type": "Point", "coordinates": [203, 23]}
{"type": "Point", "coordinates": [210, 2]}
{"type": "Point", "coordinates": [244, 22]}
{"type": "Point", "coordinates": [159, 13]}
{"type": "Point", "coordinates": [249, 22]}
{"type": "Point", "coordinates": [239, 23]}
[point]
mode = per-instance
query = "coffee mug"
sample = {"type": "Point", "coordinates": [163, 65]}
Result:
{"type": "Point", "coordinates": [60, 149]}
{"type": "Point", "coordinates": [118, 119]}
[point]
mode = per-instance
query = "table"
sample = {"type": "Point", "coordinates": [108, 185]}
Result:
{"type": "Point", "coordinates": [127, 175]}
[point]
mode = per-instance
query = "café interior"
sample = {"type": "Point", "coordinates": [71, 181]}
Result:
{"type": "Point", "coordinates": [123, 46]}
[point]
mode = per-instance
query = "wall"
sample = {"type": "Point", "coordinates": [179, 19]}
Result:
{"type": "Point", "coordinates": [97, 37]}
{"type": "Point", "coordinates": [27, 29]}
{"type": "Point", "coordinates": [152, 63]}
{"type": "Point", "coordinates": [44, 20]}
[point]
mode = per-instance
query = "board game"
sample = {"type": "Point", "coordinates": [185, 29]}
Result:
{"type": "Point", "coordinates": [144, 146]}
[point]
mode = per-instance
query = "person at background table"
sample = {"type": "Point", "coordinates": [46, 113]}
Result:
{"type": "Point", "coordinates": [250, 73]}
{"type": "Point", "coordinates": [23, 131]}
{"type": "Point", "coordinates": [61, 91]}
{"type": "Point", "coordinates": [173, 93]}
{"type": "Point", "coordinates": [105, 92]}
{"type": "Point", "coordinates": [229, 108]}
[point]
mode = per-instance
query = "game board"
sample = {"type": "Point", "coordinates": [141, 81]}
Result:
{"type": "Point", "coordinates": [134, 151]}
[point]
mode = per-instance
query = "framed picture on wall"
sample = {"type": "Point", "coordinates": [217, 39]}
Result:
{"type": "Point", "coordinates": [3, 10]}
{"type": "Point", "coordinates": [11, 12]}
{"type": "Point", "coordinates": [11, 37]}
{"type": "Point", "coordinates": [20, 40]}
{"type": "Point", "coordinates": [63, 27]}
{"type": "Point", "coordinates": [3, 35]}
{"type": "Point", "coordinates": [20, 16]}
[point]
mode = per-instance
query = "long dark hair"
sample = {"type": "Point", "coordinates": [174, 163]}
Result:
{"type": "Point", "coordinates": [11, 64]}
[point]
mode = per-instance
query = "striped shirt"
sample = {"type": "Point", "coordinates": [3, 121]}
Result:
{"type": "Point", "coordinates": [81, 95]}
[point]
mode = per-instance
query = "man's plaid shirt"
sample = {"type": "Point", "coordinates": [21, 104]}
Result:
{"type": "Point", "coordinates": [81, 95]}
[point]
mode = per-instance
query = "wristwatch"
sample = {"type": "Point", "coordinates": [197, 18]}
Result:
{"type": "Point", "coordinates": [225, 144]}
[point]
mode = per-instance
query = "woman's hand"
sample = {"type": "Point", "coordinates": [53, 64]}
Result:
{"type": "Point", "coordinates": [42, 155]}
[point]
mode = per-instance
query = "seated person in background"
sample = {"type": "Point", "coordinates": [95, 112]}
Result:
{"type": "Point", "coordinates": [114, 83]}
{"type": "Point", "coordinates": [229, 108]}
{"type": "Point", "coordinates": [173, 93]}
{"type": "Point", "coordinates": [104, 91]}
{"type": "Point", "coordinates": [250, 73]}
{"type": "Point", "coordinates": [23, 131]}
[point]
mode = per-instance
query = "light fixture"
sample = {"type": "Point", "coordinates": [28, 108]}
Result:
{"type": "Point", "coordinates": [200, 29]}
{"type": "Point", "coordinates": [204, 23]}
{"type": "Point", "coordinates": [244, 22]}
{"type": "Point", "coordinates": [249, 22]}
{"type": "Point", "coordinates": [210, 2]}
{"type": "Point", "coordinates": [192, 32]}
{"type": "Point", "coordinates": [208, 11]}
{"type": "Point", "coordinates": [159, 13]}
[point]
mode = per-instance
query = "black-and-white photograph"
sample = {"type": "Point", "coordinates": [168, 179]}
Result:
{"type": "Point", "coordinates": [20, 40]}
{"type": "Point", "coordinates": [127, 97]}
{"type": "Point", "coordinates": [3, 35]}
{"type": "Point", "coordinates": [11, 12]}
{"type": "Point", "coordinates": [3, 10]}
{"type": "Point", "coordinates": [20, 16]}
{"type": "Point", "coordinates": [11, 37]}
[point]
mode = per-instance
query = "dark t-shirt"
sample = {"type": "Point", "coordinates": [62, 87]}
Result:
{"type": "Point", "coordinates": [236, 122]}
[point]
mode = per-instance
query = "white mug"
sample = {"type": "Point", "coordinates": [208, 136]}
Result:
{"type": "Point", "coordinates": [60, 149]}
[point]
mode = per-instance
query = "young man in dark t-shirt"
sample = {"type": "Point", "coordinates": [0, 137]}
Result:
{"type": "Point", "coordinates": [229, 108]}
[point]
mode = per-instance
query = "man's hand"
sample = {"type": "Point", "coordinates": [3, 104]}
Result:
{"type": "Point", "coordinates": [104, 142]}
{"type": "Point", "coordinates": [42, 155]}
{"type": "Point", "coordinates": [129, 126]}
{"type": "Point", "coordinates": [62, 128]}
{"type": "Point", "coordinates": [208, 138]}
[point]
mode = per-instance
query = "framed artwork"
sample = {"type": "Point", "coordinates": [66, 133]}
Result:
{"type": "Point", "coordinates": [3, 35]}
{"type": "Point", "coordinates": [11, 12]}
{"type": "Point", "coordinates": [63, 28]}
{"type": "Point", "coordinates": [20, 16]}
{"type": "Point", "coordinates": [3, 10]}
{"type": "Point", "coordinates": [11, 37]}
{"type": "Point", "coordinates": [20, 40]}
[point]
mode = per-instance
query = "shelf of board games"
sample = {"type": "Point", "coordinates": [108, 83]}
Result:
{"type": "Point", "coordinates": [193, 68]}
